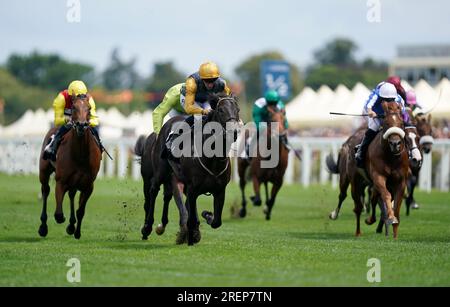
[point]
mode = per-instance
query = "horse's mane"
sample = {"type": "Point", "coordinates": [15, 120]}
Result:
{"type": "Point", "coordinates": [214, 99]}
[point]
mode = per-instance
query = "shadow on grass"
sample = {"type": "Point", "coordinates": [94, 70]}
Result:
{"type": "Point", "coordinates": [322, 235]}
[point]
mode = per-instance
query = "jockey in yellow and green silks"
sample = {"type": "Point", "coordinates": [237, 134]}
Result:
{"type": "Point", "coordinates": [62, 107]}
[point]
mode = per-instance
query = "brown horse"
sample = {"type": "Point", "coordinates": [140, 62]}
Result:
{"type": "Point", "coordinates": [387, 165]}
{"type": "Point", "coordinates": [76, 167]}
{"type": "Point", "coordinates": [259, 174]}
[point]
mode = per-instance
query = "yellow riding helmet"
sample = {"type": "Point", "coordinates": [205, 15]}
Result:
{"type": "Point", "coordinates": [77, 88]}
{"type": "Point", "coordinates": [209, 70]}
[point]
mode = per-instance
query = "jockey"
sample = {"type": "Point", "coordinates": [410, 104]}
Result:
{"type": "Point", "coordinates": [411, 102]}
{"type": "Point", "coordinates": [170, 104]}
{"type": "Point", "coordinates": [194, 95]}
{"type": "Point", "coordinates": [62, 106]}
{"type": "Point", "coordinates": [385, 91]}
{"type": "Point", "coordinates": [261, 115]}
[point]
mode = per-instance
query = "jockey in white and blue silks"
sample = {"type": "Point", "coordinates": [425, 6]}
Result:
{"type": "Point", "coordinates": [384, 91]}
{"type": "Point", "coordinates": [374, 104]}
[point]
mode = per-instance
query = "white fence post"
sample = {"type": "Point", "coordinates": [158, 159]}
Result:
{"type": "Point", "coordinates": [444, 170]}
{"type": "Point", "coordinates": [425, 173]}
{"type": "Point", "coordinates": [306, 165]}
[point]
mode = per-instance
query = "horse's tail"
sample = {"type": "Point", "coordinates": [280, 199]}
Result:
{"type": "Point", "coordinates": [140, 146]}
{"type": "Point", "coordinates": [333, 167]}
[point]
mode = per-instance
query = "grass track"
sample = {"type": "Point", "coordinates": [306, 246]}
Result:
{"type": "Point", "coordinates": [300, 246]}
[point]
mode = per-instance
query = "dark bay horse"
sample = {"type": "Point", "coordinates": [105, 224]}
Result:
{"type": "Point", "coordinates": [200, 174]}
{"type": "Point", "coordinates": [425, 143]}
{"type": "Point", "coordinates": [76, 167]}
{"type": "Point", "coordinates": [278, 139]}
{"type": "Point", "coordinates": [145, 148]}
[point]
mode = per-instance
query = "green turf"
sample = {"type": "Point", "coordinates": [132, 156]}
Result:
{"type": "Point", "coordinates": [300, 246]}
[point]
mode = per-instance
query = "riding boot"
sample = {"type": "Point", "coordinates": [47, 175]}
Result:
{"type": "Point", "coordinates": [360, 155]}
{"type": "Point", "coordinates": [52, 147]}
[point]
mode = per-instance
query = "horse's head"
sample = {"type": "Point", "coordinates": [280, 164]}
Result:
{"type": "Point", "coordinates": [423, 125]}
{"type": "Point", "coordinates": [80, 113]}
{"type": "Point", "coordinates": [278, 117]}
{"type": "Point", "coordinates": [226, 112]}
{"type": "Point", "coordinates": [393, 125]}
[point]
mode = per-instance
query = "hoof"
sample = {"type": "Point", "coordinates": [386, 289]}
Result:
{"type": "Point", "coordinates": [160, 229]}
{"type": "Point", "coordinates": [59, 218]}
{"type": "Point", "coordinates": [267, 217]}
{"type": "Point", "coordinates": [256, 201]}
{"type": "Point", "coordinates": [242, 213]}
{"type": "Point", "coordinates": [70, 229]}
{"type": "Point", "coordinates": [392, 221]}
{"type": "Point", "coordinates": [197, 236]}
{"type": "Point", "coordinates": [216, 224]}
{"type": "Point", "coordinates": [182, 235]}
{"type": "Point", "coordinates": [333, 215]}
{"type": "Point", "coordinates": [146, 231]}
{"type": "Point", "coordinates": [43, 230]}
{"type": "Point", "coordinates": [77, 235]}
{"type": "Point", "coordinates": [370, 221]}
{"type": "Point", "coordinates": [415, 206]}
{"type": "Point", "coordinates": [358, 234]}
{"type": "Point", "coordinates": [208, 216]}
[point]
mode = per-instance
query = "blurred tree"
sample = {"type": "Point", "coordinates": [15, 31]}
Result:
{"type": "Point", "coordinates": [338, 52]}
{"type": "Point", "coordinates": [249, 72]}
{"type": "Point", "coordinates": [47, 71]}
{"type": "Point", "coordinates": [120, 74]}
{"type": "Point", "coordinates": [335, 64]}
{"type": "Point", "coordinates": [164, 76]}
{"type": "Point", "coordinates": [19, 97]}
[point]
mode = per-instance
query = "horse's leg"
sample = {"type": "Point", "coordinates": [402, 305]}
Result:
{"type": "Point", "coordinates": [242, 183]}
{"type": "Point", "coordinates": [215, 219]}
{"type": "Point", "coordinates": [192, 223]}
{"type": "Point", "coordinates": [71, 227]}
{"type": "Point", "coordinates": [344, 182]}
{"type": "Point", "coordinates": [44, 177]}
{"type": "Point", "coordinates": [165, 214]}
{"type": "Point", "coordinates": [398, 203]}
{"type": "Point", "coordinates": [177, 195]}
{"type": "Point", "coordinates": [380, 185]}
{"type": "Point", "coordinates": [409, 192]}
{"type": "Point", "coordinates": [84, 196]}
{"type": "Point", "coordinates": [357, 190]}
{"type": "Point", "coordinates": [149, 218]}
{"type": "Point", "coordinates": [275, 188]}
{"type": "Point", "coordinates": [370, 220]}
{"type": "Point", "coordinates": [256, 199]}
{"type": "Point", "coordinates": [60, 191]}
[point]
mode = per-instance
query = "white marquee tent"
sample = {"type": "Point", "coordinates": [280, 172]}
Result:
{"type": "Point", "coordinates": [313, 108]}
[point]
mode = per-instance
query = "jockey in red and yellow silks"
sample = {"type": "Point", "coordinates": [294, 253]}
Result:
{"type": "Point", "coordinates": [62, 106]}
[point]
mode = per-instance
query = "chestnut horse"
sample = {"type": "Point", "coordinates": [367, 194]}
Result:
{"type": "Point", "coordinates": [76, 167]}
{"type": "Point", "coordinates": [265, 175]}
{"type": "Point", "coordinates": [387, 164]}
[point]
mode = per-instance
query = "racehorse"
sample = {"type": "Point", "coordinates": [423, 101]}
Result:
{"type": "Point", "coordinates": [425, 143]}
{"type": "Point", "coordinates": [387, 165]}
{"type": "Point", "coordinates": [76, 167]}
{"type": "Point", "coordinates": [276, 137]}
{"type": "Point", "coordinates": [144, 148]}
{"type": "Point", "coordinates": [200, 174]}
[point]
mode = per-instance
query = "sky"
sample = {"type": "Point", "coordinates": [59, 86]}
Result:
{"type": "Point", "coordinates": [190, 32]}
